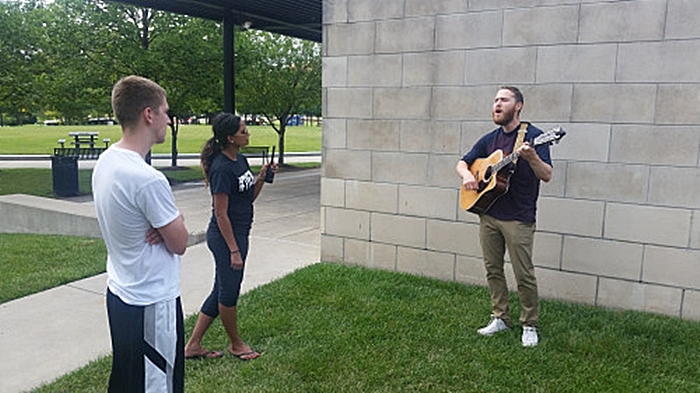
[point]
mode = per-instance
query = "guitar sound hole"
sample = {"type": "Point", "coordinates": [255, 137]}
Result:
{"type": "Point", "coordinates": [487, 174]}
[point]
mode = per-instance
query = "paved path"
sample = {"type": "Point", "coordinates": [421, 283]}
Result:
{"type": "Point", "coordinates": [46, 335]}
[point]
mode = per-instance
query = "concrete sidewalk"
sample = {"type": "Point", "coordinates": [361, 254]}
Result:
{"type": "Point", "coordinates": [46, 335]}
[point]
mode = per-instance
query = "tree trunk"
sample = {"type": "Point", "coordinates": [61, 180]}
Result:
{"type": "Point", "coordinates": [280, 142]}
{"type": "Point", "coordinates": [174, 127]}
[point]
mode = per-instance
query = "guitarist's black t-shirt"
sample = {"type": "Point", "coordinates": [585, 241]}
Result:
{"type": "Point", "coordinates": [519, 203]}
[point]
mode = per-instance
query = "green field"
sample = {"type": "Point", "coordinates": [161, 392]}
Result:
{"type": "Point", "coordinates": [40, 139]}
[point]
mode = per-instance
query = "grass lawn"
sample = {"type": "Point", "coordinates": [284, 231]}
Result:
{"type": "Point", "coordinates": [334, 328]}
{"type": "Point", "coordinates": [39, 181]}
{"type": "Point", "coordinates": [33, 263]}
{"type": "Point", "coordinates": [40, 139]}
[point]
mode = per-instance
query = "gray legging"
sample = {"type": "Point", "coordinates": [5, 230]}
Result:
{"type": "Point", "coordinates": [227, 281]}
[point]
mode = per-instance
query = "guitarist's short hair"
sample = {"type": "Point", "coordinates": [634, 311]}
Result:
{"type": "Point", "coordinates": [516, 92]}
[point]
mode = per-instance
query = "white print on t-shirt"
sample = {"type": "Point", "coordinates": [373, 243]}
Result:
{"type": "Point", "coordinates": [246, 181]}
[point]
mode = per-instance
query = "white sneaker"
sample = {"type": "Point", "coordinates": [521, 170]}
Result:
{"type": "Point", "coordinates": [530, 338]}
{"type": "Point", "coordinates": [495, 326]}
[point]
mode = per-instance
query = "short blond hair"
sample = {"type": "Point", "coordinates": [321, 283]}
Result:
{"type": "Point", "coordinates": [131, 95]}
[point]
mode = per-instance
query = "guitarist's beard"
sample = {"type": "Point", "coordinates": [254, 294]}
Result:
{"type": "Point", "coordinates": [504, 117]}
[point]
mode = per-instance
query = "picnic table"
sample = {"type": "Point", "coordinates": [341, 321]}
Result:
{"type": "Point", "coordinates": [83, 145]}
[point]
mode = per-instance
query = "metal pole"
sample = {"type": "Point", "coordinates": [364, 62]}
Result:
{"type": "Point", "coordinates": [229, 83]}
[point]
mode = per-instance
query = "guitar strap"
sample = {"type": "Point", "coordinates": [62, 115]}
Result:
{"type": "Point", "coordinates": [520, 139]}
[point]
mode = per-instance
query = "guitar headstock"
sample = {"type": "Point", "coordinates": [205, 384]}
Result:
{"type": "Point", "coordinates": [552, 136]}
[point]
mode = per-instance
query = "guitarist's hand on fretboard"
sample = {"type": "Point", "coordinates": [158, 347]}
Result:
{"type": "Point", "coordinates": [527, 152]}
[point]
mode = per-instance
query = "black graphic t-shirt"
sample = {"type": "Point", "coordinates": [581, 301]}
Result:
{"type": "Point", "coordinates": [234, 179]}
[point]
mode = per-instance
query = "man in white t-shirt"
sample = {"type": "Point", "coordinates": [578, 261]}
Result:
{"type": "Point", "coordinates": [145, 236]}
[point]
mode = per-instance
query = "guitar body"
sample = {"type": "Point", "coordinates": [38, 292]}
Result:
{"type": "Point", "coordinates": [491, 185]}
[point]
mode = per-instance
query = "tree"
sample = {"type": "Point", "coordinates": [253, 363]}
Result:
{"type": "Point", "coordinates": [21, 57]}
{"type": "Point", "coordinates": [282, 78]}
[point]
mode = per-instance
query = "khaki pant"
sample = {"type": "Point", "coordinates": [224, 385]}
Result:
{"type": "Point", "coordinates": [517, 237]}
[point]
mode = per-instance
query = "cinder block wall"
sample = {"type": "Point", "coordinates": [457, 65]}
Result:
{"type": "Point", "coordinates": [408, 87]}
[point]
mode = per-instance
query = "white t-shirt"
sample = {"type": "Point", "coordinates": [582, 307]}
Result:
{"type": "Point", "coordinates": [130, 197]}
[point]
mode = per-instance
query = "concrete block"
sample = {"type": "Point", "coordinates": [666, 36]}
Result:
{"type": "Point", "coordinates": [400, 168]}
{"type": "Point", "coordinates": [470, 270]}
{"type": "Point", "coordinates": [671, 266]}
{"type": "Point", "coordinates": [584, 142]}
{"type": "Point", "coordinates": [419, 136]}
{"type": "Point", "coordinates": [373, 134]}
{"type": "Point", "coordinates": [647, 224]}
{"type": "Point", "coordinates": [482, 5]}
{"type": "Point", "coordinates": [554, 284]}
{"type": "Point", "coordinates": [372, 196]}
{"type": "Point", "coordinates": [349, 39]}
{"type": "Point", "coordinates": [576, 63]}
{"type": "Point", "coordinates": [433, 68]}
{"type": "Point", "coordinates": [425, 201]}
{"type": "Point", "coordinates": [347, 223]}
{"type": "Point", "coordinates": [466, 31]}
{"type": "Point", "coordinates": [335, 11]}
{"type": "Point", "coordinates": [607, 182]}
{"type": "Point", "coordinates": [681, 19]}
{"type": "Point", "coordinates": [333, 133]}
{"type": "Point", "coordinates": [31, 214]}
{"type": "Point", "coordinates": [429, 8]}
{"type": "Point", "coordinates": [426, 263]}
{"type": "Point", "coordinates": [612, 103]}
{"type": "Point", "coordinates": [655, 145]}
{"type": "Point", "coordinates": [331, 248]}
{"type": "Point", "coordinates": [677, 187]}
{"type": "Point", "coordinates": [547, 103]}
{"type": "Point", "coordinates": [374, 71]}
{"type": "Point", "coordinates": [465, 216]}
{"type": "Point", "coordinates": [602, 257]}
{"type": "Point", "coordinates": [374, 10]}
{"type": "Point", "coordinates": [347, 164]}
{"type": "Point", "coordinates": [497, 65]}
{"type": "Point", "coordinates": [691, 305]}
{"type": "Point", "coordinates": [335, 71]}
{"type": "Point", "coordinates": [546, 251]}
{"type": "Point", "coordinates": [399, 230]}
{"type": "Point", "coordinates": [570, 216]}
{"type": "Point", "coordinates": [540, 25]}
{"type": "Point", "coordinates": [402, 103]}
{"type": "Point", "coordinates": [455, 237]}
{"type": "Point", "coordinates": [356, 252]}
{"type": "Point", "coordinates": [349, 103]}
{"type": "Point", "coordinates": [695, 230]}
{"type": "Point", "coordinates": [677, 104]}
{"type": "Point", "coordinates": [332, 192]}
{"type": "Point", "coordinates": [557, 186]}
{"type": "Point", "coordinates": [639, 296]}
{"type": "Point", "coordinates": [405, 35]}
{"type": "Point", "coordinates": [622, 21]}
{"type": "Point", "coordinates": [664, 62]}
{"type": "Point", "coordinates": [441, 173]}
{"type": "Point", "coordinates": [458, 103]}
{"type": "Point", "coordinates": [382, 256]}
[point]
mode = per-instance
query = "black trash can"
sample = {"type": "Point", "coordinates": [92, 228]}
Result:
{"type": "Point", "coordinates": [65, 176]}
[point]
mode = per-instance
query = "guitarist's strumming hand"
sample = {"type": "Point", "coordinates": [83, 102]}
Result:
{"type": "Point", "coordinates": [542, 170]}
{"type": "Point", "coordinates": [469, 182]}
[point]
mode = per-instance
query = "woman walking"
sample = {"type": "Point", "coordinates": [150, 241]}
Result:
{"type": "Point", "coordinates": [233, 188]}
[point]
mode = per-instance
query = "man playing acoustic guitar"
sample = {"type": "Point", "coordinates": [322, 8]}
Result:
{"type": "Point", "coordinates": [509, 221]}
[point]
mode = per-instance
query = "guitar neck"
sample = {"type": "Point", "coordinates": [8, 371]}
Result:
{"type": "Point", "coordinates": [506, 161]}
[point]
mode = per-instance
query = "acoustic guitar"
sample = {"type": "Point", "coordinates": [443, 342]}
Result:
{"type": "Point", "coordinates": [493, 175]}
